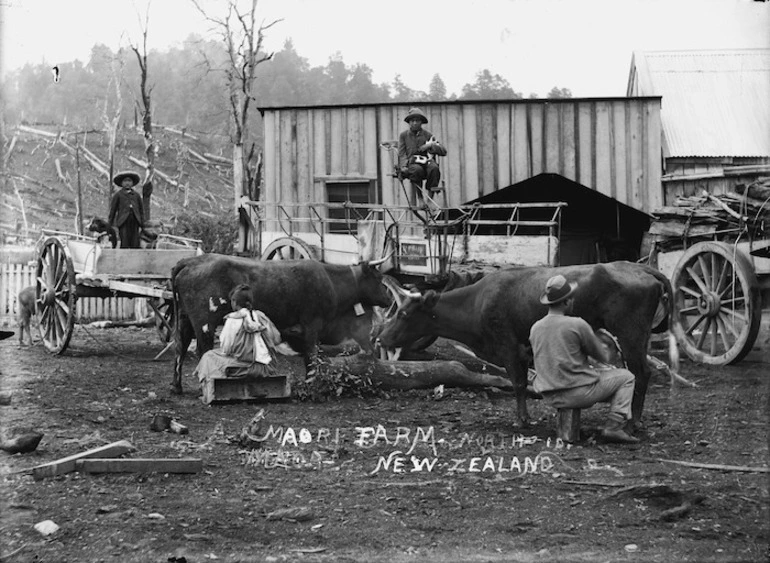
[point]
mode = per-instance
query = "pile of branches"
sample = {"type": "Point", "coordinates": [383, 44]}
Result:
{"type": "Point", "coordinates": [743, 213]}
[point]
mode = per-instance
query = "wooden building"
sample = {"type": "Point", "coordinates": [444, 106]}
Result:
{"type": "Point", "coordinates": [715, 116]}
{"type": "Point", "coordinates": [335, 153]}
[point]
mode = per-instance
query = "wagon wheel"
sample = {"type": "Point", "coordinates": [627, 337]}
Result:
{"type": "Point", "coordinates": [384, 314]}
{"type": "Point", "coordinates": [289, 248]}
{"type": "Point", "coordinates": [164, 318]}
{"type": "Point", "coordinates": [55, 295]}
{"type": "Point", "coordinates": [717, 303]}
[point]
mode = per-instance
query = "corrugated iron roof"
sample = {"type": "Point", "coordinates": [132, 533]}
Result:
{"type": "Point", "coordinates": [715, 103]}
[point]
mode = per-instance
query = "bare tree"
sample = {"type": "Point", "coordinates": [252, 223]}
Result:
{"type": "Point", "coordinates": [146, 110]}
{"type": "Point", "coordinates": [243, 43]}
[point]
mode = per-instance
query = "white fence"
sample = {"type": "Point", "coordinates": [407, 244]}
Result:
{"type": "Point", "coordinates": [15, 277]}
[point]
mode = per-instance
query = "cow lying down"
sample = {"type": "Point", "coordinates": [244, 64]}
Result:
{"type": "Point", "coordinates": [310, 298]}
{"type": "Point", "coordinates": [493, 316]}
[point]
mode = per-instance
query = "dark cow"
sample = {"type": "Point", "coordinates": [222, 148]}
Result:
{"type": "Point", "coordinates": [493, 316]}
{"type": "Point", "coordinates": [306, 293]}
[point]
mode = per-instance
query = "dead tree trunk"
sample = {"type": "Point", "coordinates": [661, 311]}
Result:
{"type": "Point", "coordinates": [146, 111]}
{"type": "Point", "coordinates": [416, 375]}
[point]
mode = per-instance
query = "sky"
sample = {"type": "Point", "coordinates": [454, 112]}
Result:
{"type": "Point", "coordinates": [583, 45]}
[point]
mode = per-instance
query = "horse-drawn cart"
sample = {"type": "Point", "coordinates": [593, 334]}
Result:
{"type": "Point", "coordinates": [71, 266]}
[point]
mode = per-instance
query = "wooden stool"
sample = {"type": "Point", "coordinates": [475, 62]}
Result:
{"type": "Point", "coordinates": [568, 425]}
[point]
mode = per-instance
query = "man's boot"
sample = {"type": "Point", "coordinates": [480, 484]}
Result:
{"type": "Point", "coordinates": [613, 431]}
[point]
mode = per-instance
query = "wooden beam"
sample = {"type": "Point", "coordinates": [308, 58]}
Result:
{"type": "Point", "coordinates": [67, 464]}
{"type": "Point", "coordinates": [140, 465]}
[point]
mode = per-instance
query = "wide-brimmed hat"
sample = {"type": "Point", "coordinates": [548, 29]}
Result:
{"type": "Point", "coordinates": [120, 176]}
{"type": "Point", "coordinates": [557, 289]}
{"type": "Point", "coordinates": [415, 112]}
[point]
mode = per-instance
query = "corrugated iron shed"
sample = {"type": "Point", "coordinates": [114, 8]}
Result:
{"type": "Point", "coordinates": [716, 103]}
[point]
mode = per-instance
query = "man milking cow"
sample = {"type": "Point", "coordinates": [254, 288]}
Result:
{"type": "Point", "coordinates": [561, 345]}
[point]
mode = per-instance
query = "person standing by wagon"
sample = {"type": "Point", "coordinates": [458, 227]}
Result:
{"type": "Point", "coordinates": [126, 209]}
{"type": "Point", "coordinates": [415, 149]}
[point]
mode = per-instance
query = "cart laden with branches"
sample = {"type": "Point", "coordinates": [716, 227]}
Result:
{"type": "Point", "coordinates": [716, 251]}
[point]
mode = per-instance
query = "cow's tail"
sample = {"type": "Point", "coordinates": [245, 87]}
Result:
{"type": "Point", "coordinates": [664, 316]}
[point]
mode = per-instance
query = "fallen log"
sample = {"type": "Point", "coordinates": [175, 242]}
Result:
{"type": "Point", "coordinates": [416, 375]}
{"type": "Point", "coordinates": [219, 159]}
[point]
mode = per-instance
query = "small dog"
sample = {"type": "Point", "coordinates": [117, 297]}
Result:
{"type": "Point", "coordinates": [105, 230]}
{"type": "Point", "coordinates": [27, 311]}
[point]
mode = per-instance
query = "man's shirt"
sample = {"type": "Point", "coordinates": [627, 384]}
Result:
{"type": "Point", "coordinates": [409, 144]}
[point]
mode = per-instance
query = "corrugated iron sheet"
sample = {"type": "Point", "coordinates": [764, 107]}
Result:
{"type": "Point", "coordinates": [715, 103]}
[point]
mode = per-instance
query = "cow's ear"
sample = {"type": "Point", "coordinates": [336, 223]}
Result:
{"type": "Point", "coordinates": [429, 299]}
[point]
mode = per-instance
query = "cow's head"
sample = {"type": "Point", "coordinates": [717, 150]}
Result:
{"type": "Point", "coordinates": [371, 290]}
{"type": "Point", "coordinates": [414, 319]}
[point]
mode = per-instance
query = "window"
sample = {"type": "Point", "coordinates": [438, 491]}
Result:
{"type": "Point", "coordinates": [345, 220]}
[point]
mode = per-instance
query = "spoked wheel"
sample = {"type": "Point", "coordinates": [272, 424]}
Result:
{"type": "Point", "coordinates": [164, 318]}
{"type": "Point", "coordinates": [55, 295]}
{"type": "Point", "coordinates": [289, 248]}
{"type": "Point", "coordinates": [383, 315]}
{"type": "Point", "coordinates": [717, 303]}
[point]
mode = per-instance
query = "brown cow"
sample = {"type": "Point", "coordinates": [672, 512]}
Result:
{"type": "Point", "coordinates": [493, 316]}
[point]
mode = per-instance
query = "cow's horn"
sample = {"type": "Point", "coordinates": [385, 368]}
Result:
{"type": "Point", "coordinates": [375, 263]}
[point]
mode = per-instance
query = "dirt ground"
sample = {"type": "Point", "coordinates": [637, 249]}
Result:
{"type": "Point", "coordinates": [411, 476]}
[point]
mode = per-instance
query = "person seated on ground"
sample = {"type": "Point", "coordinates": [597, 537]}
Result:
{"type": "Point", "coordinates": [561, 345]}
{"type": "Point", "coordinates": [247, 342]}
{"type": "Point", "coordinates": [126, 210]}
{"type": "Point", "coordinates": [415, 147]}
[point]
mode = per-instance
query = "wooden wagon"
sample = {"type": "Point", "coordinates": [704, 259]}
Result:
{"type": "Point", "coordinates": [71, 266]}
{"type": "Point", "coordinates": [720, 274]}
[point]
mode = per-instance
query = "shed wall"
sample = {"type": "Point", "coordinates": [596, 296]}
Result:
{"type": "Point", "coordinates": [611, 145]}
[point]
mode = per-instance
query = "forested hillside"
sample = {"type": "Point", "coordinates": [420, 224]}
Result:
{"type": "Point", "coordinates": [189, 97]}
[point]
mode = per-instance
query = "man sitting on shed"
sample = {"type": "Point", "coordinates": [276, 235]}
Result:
{"type": "Point", "coordinates": [561, 345]}
{"type": "Point", "coordinates": [415, 148]}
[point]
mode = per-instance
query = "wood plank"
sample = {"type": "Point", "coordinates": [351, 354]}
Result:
{"type": "Point", "coordinates": [319, 153]}
{"type": "Point", "coordinates": [354, 138]}
{"type": "Point", "coordinates": [336, 141]}
{"type": "Point", "coordinates": [552, 138]}
{"type": "Point", "coordinates": [503, 154]}
{"type": "Point", "coordinates": [67, 464]}
{"type": "Point", "coordinates": [140, 465]}
{"type": "Point", "coordinates": [568, 163]}
{"type": "Point", "coordinates": [651, 162]}
{"type": "Point", "coordinates": [270, 168]}
{"type": "Point", "coordinates": [585, 148]}
{"type": "Point", "coordinates": [487, 149]}
{"type": "Point", "coordinates": [635, 145]}
{"type": "Point", "coordinates": [521, 145]}
{"type": "Point", "coordinates": [370, 142]}
{"type": "Point", "coordinates": [537, 139]}
{"type": "Point", "coordinates": [470, 186]}
{"type": "Point", "coordinates": [603, 149]}
{"type": "Point", "coordinates": [619, 157]}
{"type": "Point", "coordinates": [139, 262]}
{"type": "Point", "coordinates": [304, 161]}
{"type": "Point", "coordinates": [452, 169]}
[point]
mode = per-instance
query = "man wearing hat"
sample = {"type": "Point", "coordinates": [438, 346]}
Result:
{"type": "Point", "coordinates": [415, 147]}
{"type": "Point", "coordinates": [561, 345]}
{"type": "Point", "coordinates": [126, 210]}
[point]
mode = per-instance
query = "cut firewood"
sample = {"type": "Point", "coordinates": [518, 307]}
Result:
{"type": "Point", "coordinates": [140, 465]}
{"type": "Point", "coordinates": [416, 375]}
{"type": "Point", "coordinates": [67, 464]}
